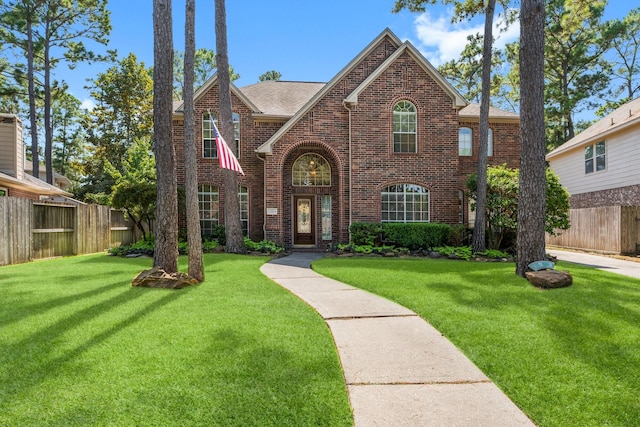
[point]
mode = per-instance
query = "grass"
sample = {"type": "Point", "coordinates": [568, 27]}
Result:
{"type": "Point", "coordinates": [79, 346]}
{"type": "Point", "coordinates": [566, 357]}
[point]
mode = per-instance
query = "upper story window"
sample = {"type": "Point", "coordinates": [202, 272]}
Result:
{"type": "Point", "coordinates": [311, 169]}
{"type": "Point", "coordinates": [465, 147]}
{"type": "Point", "coordinates": [595, 157]}
{"type": "Point", "coordinates": [405, 128]}
{"type": "Point", "coordinates": [209, 149]}
{"type": "Point", "coordinates": [405, 203]}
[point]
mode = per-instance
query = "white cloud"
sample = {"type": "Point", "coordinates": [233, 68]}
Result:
{"type": "Point", "coordinates": [441, 41]}
{"type": "Point", "coordinates": [88, 103]}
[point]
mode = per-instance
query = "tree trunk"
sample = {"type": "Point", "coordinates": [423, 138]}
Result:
{"type": "Point", "coordinates": [166, 246]}
{"type": "Point", "coordinates": [48, 131]}
{"type": "Point", "coordinates": [33, 119]}
{"type": "Point", "coordinates": [194, 237]}
{"type": "Point", "coordinates": [233, 226]}
{"type": "Point", "coordinates": [479, 238]}
{"type": "Point", "coordinates": [531, 204]}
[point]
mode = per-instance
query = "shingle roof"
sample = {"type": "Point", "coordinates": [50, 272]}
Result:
{"type": "Point", "coordinates": [473, 111]}
{"type": "Point", "coordinates": [624, 116]}
{"type": "Point", "coordinates": [281, 98]}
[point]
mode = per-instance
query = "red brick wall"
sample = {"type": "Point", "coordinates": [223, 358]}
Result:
{"type": "Point", "coordinates": [14, 192]}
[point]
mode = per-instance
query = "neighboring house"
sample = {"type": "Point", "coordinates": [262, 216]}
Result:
{"type": "Point", "coordinates": [386, 140]}
{"type": "Point", "coordinates": [599, 168]}
{"type": "Point", "coordinates": [14, 181]}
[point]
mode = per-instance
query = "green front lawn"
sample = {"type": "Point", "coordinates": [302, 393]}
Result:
{"type": "Point", "coordinates": [567, 357]}
{"type": "Point", "coordinates": [80, 346]}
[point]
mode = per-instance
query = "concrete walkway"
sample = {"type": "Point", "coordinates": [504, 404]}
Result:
{"type": "Point", "coordinates": [613, 265]}
{"type": "Point", "coordinates": [399, 370]}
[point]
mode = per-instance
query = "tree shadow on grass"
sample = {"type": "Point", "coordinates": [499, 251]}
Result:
{"type": "Point", "coordinates": [29, 360]}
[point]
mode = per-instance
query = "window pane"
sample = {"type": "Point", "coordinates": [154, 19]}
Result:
{"type": "Point", "coordinates": [405, 203]}
{"type": "Point", "coordinates": [208, 207]}
{"type": "Point", "coordinates": [465, 147]}
{"type": "Point", "coordinates": [600, 163]}
{"type": "Point", "coordinates": [326, 217]}
{"type": "Point", "coordinates": [588, 152]}
{"type": "Point", "coordinates": [588, 166]}
{"type": "Point", "coordinates": [600, 148]}
{"type": "Point", "coordinates": [311, 170]}
{"type": "Point", "coordinates": [404, 128]}
{"type": "Point", "coordinates": [490, 144]}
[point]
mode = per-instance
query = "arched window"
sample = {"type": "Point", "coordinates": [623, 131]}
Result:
{"type": "Point", "coordinates": [465, 147]}
{"type": "Point", "coordinates": [405, 128]}
{"type": "Point", "coordinates": [405, 203]}
{"type": "Point", "coordinates": [311, 170]}
{"type": "Point", "coordinates": [209, 149]}
{"type": "Point", "coordinates": [208, 198]}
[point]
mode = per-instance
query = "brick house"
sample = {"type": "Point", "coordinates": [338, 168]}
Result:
{"type": "Point", "coordinates": [387, 139]}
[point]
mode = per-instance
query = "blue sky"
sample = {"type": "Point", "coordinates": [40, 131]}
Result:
{"type": "Point", "coordinates": [303, 40]}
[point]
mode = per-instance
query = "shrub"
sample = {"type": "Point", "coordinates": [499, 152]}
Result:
{"type": "Point", "coordinates": [264, 246]}
{"type": "Point", "coordinates": [365, 233]}
{"type": "Point", "coordinates": [417, 235]}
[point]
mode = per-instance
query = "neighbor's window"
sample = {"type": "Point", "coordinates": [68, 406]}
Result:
{"type": "Point", "coordinates": [209, 149]}
{"type": "Point", "coordinates": [311, 170]}
{"type": "Point", "coordinates": [4, 192]}
{"type": "Point", "coordinates": [243, 200]}
{"type": "Point", "coordinates": [465, 147]}
{"type": "Point", "coordinates": [405, 203]}
{"type": "Point", "coordinates": [404, 128]}
{"type": "Point", "coordinates": [208, 198]}
{"type": "Point", "coordinates": [595, 157]}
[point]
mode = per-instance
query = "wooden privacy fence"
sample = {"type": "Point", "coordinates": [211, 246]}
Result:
{"type": "Point", "coordinates": [608, 229]}
{"type": "Point", "coordinates": [32, 230]}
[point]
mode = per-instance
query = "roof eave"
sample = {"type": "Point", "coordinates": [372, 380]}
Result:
{"type": "Point", "coordinates": [568, 146]}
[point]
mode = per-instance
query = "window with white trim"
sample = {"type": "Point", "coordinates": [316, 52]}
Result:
{"type": "Point", "coordinates": [595, 157]}
{"type": "Point", "coordinates": [465, 146]}
{"type": "Point", "coordinates": [208, 205]}
{"type": "Point", "coordinates": [405, 128]}
{"type": "Point", "coordinates": [209, 149]}
{"type": "Point", "coordinates": [243, 201]}
{"type": "Point", "coordinates": [405, 203]}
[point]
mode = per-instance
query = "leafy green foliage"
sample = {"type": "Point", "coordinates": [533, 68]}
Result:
{"type": "Point", "coordinates": [365, 233]}
{"type": "Point", "coordinates": [416, 235]}
{"type": "Point", "coordinates": [264, 246]}
{"type": "Point", "coordinates": [204, 68]}
{"type": "Point", "coordinates": [502, 203]}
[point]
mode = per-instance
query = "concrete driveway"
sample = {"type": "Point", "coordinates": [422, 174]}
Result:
{"type": "Point", "coordinates": [614, 265]}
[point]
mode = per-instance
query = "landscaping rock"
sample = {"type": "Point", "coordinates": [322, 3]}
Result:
{"type": "Point", "coordinates": [158, 278]}
{"type": "Point", "coordinates": [549, 279]}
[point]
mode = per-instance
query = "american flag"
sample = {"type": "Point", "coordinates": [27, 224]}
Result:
{"type": "Point", "coordinates": [225, 156]}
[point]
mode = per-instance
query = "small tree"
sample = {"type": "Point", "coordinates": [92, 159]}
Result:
{"type": "Point", "coordinates": [270, 75]}
{"type": "Point", "coordinates": [502, 203]}
{"type": "Point", "coordinates": [135, 187]}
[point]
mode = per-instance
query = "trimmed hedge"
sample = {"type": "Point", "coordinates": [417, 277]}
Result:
{"type": "Point", "coordinates": [365, 233]}
{"type": "Point", "coordinates": [416, 235]}
{"type": "Point", "coordinates": [411, 235]}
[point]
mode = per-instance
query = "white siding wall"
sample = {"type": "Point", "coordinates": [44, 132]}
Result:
{"type": "Point", "coordinates": [10, 139]}
{"type": "Point", "coordinates": [622, 160]}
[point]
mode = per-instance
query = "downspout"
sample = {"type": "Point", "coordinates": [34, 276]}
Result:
{"type": "Point", "coordinates": [264, 196]}
{"type": "Point", "coordinates": [348, 105]}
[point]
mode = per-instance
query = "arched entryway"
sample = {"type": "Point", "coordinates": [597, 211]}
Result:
{"type": "Point", "coordinates": [311, 202]}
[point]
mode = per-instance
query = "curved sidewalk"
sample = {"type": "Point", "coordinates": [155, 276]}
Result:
{"type": "Point", "coordinates": [399, 370]}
